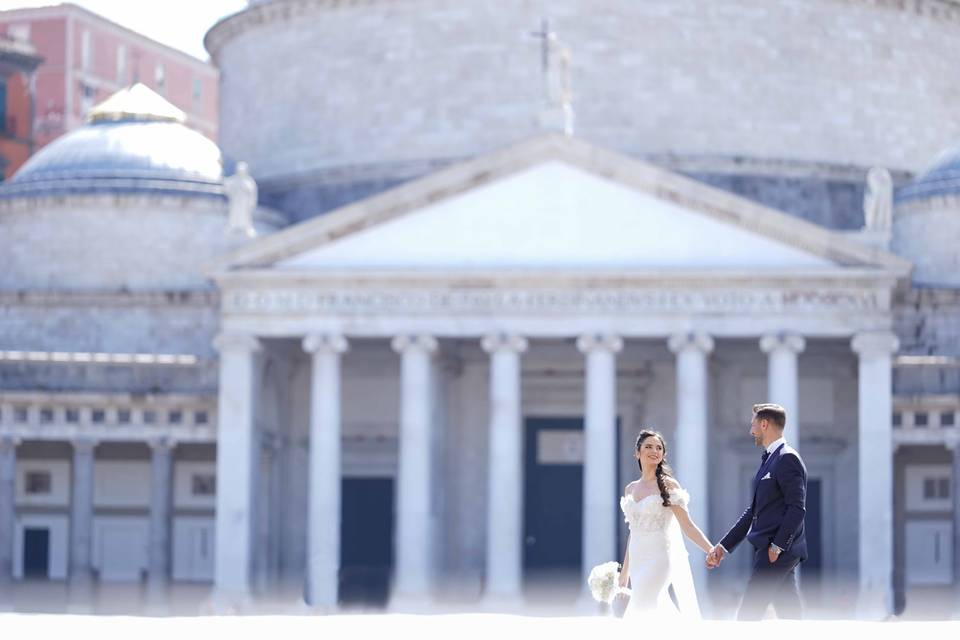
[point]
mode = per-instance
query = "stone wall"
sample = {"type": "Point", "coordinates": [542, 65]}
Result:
{"type": "Point", "coordinates": [314, 85]}
{"type": "Point", "coordinates": [110, 243]}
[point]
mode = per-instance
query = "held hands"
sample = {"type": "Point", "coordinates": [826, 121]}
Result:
{"type": "Point", "coordinates": [715, 557]}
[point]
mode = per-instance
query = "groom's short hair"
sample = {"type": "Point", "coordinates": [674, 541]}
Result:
{"type": "Point", "coordinates": [773, 412]}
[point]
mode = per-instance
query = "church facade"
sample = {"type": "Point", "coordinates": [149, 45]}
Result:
{"type": "Point", "coordinates": [420, 375]}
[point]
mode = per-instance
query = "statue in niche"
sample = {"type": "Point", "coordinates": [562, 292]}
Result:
{"type": "Point", "coordinates": [241, 190]}
{"type": "Point", "coordinates": [878, 200]}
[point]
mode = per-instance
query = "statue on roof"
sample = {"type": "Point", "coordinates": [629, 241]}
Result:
{"type": "Point", "coordinates": [878, 200]}
{"type": "Point", "coordinates": [241, 190]}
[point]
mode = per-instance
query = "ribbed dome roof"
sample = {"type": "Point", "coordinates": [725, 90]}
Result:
{"type": "Point", "coordinates": [942, 179]}
{"type": "Point", "coordinates": [135, 141]}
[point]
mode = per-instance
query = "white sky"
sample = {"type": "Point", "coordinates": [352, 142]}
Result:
{"type": "Point", "coordinates": [177, 23]}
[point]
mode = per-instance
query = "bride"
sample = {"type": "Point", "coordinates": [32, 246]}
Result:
{"type": "Point", "coordinates": [655, 507]}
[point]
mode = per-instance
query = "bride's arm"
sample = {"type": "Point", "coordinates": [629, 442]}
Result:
{"type": "Point", "coordinates": [691, 530]}
{"type": "Point", "coordinates": [625, 571]}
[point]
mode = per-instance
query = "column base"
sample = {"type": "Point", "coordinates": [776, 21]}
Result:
{"type": "Point", "coordinates": [411, 602]}
{"type": "Point", "coordinates": [81, 593]}
{"type": "Point", "coordinates": [6, 594]}
{"type": "Point", "coordinates": [303, 608]}
{"type": "Point", "coordinates": [587, 606]}
{"type": "Point", "coordinates": [506, 601]}
{"type": "Point", "coordinates": [874, 604]}
{"type": "Point", "coordinates": [157, 599]}
{"type": "Point", "coordinates": [224, 602]}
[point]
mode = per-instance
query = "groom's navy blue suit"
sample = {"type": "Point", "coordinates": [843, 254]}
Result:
{"type": "Point", "coordinates": [775, 516]}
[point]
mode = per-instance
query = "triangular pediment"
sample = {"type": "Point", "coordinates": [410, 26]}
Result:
{"type": "Point", "coordinates": [557, 203]}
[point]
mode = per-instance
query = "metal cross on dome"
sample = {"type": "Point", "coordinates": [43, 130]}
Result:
{"type": "Point", "coordinates": [555, 61]}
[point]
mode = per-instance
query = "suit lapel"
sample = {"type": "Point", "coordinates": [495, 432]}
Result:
{"type": "Point", "coordinates": [763, 469]}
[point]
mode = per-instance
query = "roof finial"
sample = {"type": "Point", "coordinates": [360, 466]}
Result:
{"type": "Point", "coordinates": [136, 102]}
{"type": "Point", "coordinates": [555, 59]}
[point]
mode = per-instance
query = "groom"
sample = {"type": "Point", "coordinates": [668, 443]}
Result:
{"type": "Point", "coordinates": [773, 523]}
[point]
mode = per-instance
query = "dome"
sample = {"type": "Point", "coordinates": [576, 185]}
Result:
{"type": "Point", "coordinates": [942, 179]}
{"type": "Point", "coordinates": [134, 142]}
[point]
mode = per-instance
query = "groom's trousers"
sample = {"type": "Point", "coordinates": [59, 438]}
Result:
{"type": "Point", "coordinates": [772, 583]}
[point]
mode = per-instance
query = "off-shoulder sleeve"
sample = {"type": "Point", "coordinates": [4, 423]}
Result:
{"type": "Point", "coordinates": [679, 497]}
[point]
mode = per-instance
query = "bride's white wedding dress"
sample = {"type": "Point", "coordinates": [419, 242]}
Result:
{"type": "Point", "coordinates": [658, 558]}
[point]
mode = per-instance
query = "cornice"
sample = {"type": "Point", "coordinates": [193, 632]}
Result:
{"type": "Point", "coordinates": [208, 298]}
{"type": "Point", "coordinates": [282, 10]}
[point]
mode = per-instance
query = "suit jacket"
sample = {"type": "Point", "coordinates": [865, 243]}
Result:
{"type": "Point", "coordinates": [778, 507]}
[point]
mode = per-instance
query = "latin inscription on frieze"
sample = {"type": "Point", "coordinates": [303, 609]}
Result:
{"type": "Point", "coordinates": [512, 302]}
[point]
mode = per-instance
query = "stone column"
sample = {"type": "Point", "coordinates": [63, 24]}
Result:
{"type": "Point", "coordinates": [8, 474]}
{"type": "Point", "coordinates": [955, 492]}
{"type": "Point", "coordinates": [266, 514]}
{"type": "Point", "coordinates": [782, 379]}
{"type": "Point", "coordinates": [414, 539]}
{"type": "Point", "coordinates": [875, 440]}
{"type": "Point", "coordinates": [235, 469]}
{"type": "Point", "coordinates": [692, 440]}
{"type": "Point", "coordinates": [81, 525]}
{"type": "Point", "coordinates": [505, 470]}
{"type": "Point", "coordinates": [160, 521]}
{"type": "Point", "coordinates": [323, 525]}
{"type": "Point", "coordinates": [600, 491]}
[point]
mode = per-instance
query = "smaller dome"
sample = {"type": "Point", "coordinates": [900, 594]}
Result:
{"type": "Point", "coordinates": [134, 142]}
{"type": "Point", "coordinates": [941, 179]}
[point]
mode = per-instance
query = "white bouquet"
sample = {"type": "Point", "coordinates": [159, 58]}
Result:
{"type": "Point", "coordinates": [604, 582]}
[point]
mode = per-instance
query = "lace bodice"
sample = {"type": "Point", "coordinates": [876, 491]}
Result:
{"type": "Point", "coordinates": [648, 514]}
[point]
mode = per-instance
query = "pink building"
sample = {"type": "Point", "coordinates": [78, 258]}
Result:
{"type": "Point", "coordinates": [87, 58]}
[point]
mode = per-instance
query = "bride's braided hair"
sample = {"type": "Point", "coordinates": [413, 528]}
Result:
{"type": "Point", "coordinates": [663, 469]}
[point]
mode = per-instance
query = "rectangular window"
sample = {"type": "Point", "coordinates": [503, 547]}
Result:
{"type": "Point", "coordinates": [947, 419]}
{"type": "Point", "coordinates": [160, 77]}
{"type": "Point", "coordinates": [920, 419]}
{"type": "Point", "coordinates": [7, 127]}
{"type": "Point", "coordinates": [149, 417]}
{"type": "Point", "coordinates": [897, 418]}
{"type": "Point", "coordinates": [943, 487]}
{"type": "Point", "coordinates": [38, 483]}
{"type": "Point", "coordinates": [203, 484]}
{"type": "Point", "coordinates": [73, 415]}
{"type": "Point", "coordinates": [88, 97]}
{"type": "Point", "coordinates": [86, 50]}
{"type": "Point", "coordinates": [98, 416]}
{"type": "Point", "coordinates": [46, 416]}
{"type": "Point", "coordinates": [175, 416]}
{"type": "Point", "coordinates": [929, 488]}
{"type": "Point", "coordinates": [200, 417]}
{"type": "Point", "coordinates": [121, 64]}
{"type": "Point", "coordinates": [123, 416]}
{"type": "Point", "coordinates": [20, 414]}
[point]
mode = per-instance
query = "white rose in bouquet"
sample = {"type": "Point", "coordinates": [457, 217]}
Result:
{"type": "Point", "coordinates": [604, 582]}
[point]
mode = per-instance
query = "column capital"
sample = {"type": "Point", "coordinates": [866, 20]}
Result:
{"type": "Point", "coordinates": [161, 446]}
{"type": "Point", "coordinates": [404, 343]}
{"type": "Point", "coordinates": [878, 343]}
{"type": "Point", "coordinates": [235, 340]}
{"type": "Point", "coordinates": [84, 445]}
{"type": "Point", "coordinates": [690, 340]}
{"type": "Point", "coordinates": [504, 342]}
{"type": "Point", "coordinates": [599, 342]}
{"type": "Point", "coordinates": [325, 343]}
{"type": "Point", "coordinates": [791, 342]}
